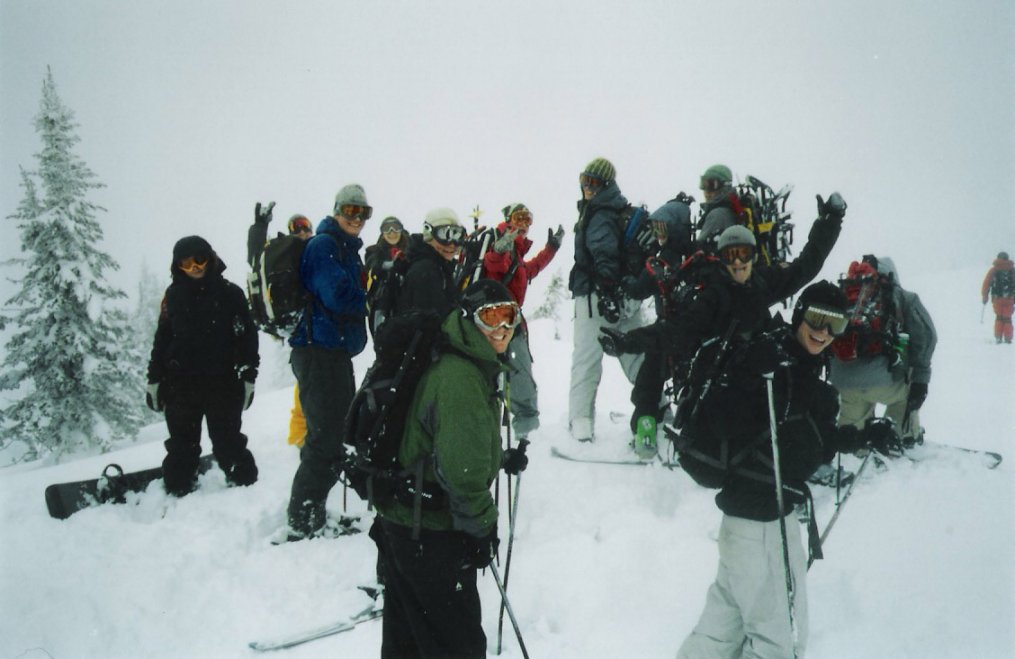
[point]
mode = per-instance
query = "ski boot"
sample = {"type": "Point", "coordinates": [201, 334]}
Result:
{"type": "Point", "coordinates": [645, 438]}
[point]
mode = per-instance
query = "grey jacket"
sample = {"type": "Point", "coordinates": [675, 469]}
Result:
{"type": "Point", "coordinates": [717, 215]}
{"type": "Point", "coordinates": [876, 371]}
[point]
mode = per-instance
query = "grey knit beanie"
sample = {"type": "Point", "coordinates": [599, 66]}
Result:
{"type": "Point", "coordinates": [736, 235]}
{"type": "Point", "coordinates": [350, 194]}
{"type": "Point", "coordinates": [436, 218]}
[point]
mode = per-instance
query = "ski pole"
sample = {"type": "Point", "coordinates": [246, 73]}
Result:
{"type": "Point", "coordinates": [507, 560]}
{"type": "Point", "coordinates": [982, 310]}
{"type": "Point", "coordinates": [776, 468]}
{"type": "Point", "coordinates": [845, 498]}
{"type": "Point", "coordinates": [507, 605]}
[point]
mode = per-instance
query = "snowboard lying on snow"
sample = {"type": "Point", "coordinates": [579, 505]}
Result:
{"type": "Point", "coordinates": [65, 499]}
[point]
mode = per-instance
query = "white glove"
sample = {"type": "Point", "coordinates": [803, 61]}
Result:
{"type": "Point", "coordinates": [248, 394]}
{"type": "Point", "coordinates": [152, 398]}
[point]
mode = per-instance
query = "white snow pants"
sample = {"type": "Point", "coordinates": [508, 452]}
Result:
{"type": "Point", "coordinates": [587, 357]}
{"type": "Point", "coordinates": [746, 611]}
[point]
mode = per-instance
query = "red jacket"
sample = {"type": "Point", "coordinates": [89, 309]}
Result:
{"type": "Point", "coordinates": [497, 266]}
{"type": "Point", "coordinates": [999, 264]}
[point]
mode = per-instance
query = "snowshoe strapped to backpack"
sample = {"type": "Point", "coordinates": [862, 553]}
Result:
{"type": "Point", "coordinates": [874, 322]}
{"type": "Point", "coordinates": [406, 346]}
{"type": "Point", "coordinates": [469, 267]}
{"type": "Point", "coordinates": [1002, 284]}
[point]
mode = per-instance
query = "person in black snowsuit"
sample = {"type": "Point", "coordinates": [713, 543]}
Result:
{"type": "Point", "coordinates": [203, 365]}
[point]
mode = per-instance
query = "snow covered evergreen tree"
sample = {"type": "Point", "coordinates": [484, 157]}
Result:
{"type": "Point", "coordinates": [144, 320]}
{"type": "Point", "coordinates": [556, 293]}
{"type": "Point", "coordinates": [71, 358]}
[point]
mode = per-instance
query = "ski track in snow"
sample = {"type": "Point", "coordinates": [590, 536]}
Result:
{"type": "Point", "coordinates": [608, 561]}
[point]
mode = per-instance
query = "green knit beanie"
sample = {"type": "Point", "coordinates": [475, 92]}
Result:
{"type": "Point", "coordinates": [719, 173]}
{"type": "Point", "coordinates": [602, 169]}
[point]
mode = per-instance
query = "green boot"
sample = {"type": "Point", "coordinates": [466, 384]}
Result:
{"type": "Point", "coordinates": [645, 438]}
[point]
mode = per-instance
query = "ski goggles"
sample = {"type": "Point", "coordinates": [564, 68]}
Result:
{"type": "Point", "coordinates": [710, 184]}
{"type": "Point", "coordinates": [729, 255]}
{"type": "Point", "coordinates": [498, 315]}
{"type": "Point", "coordinates": [193, 263]}
{"type": "Point", "coordinates": [391, 228]}
{"type": "Point", "coordinates": [587, 181]}
{"type": "Point", "coordinates": [355, 211]}
{"type": "Point", "coordinates": [447, 234]}
{"type": "Point", "coordinates": [821, 318]}
{"type": "Point", "coordinates": [300, 225]}
{"type": "Point", "coordinates": [522, 218]}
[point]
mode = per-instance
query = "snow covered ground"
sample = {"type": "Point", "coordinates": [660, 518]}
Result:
{"type": "Point", "coordinates": [608, 561]}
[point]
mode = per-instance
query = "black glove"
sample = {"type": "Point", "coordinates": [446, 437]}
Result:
{"type": "Point", "coordinates": [833, 209]}
{"type": "Point", "coordinates": [153, 398]}
{"type": "Point", "coordinates": [917, 394]}
{"type": "Point", "coordinates": [764, 354]}
{"type": "Point", "coordinates": [515, 461]}
{"type": "Point", "coordinates": [608, 306]}
{"type": "Point", "coordinates": [553, 238]}
{"type": "Point", "coordinates": [615, 343]}
{"type": "Point", "coordinates": [629, 284]}
{"type": "Point", "coordinates": [263, 215]}
{"type": "Point", "coordinates": [479, 552]}
{"type": "Point", "coordinates": [879, 433]}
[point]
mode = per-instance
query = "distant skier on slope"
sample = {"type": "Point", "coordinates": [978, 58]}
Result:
{"type": "Point", "coordinates": [999, 284]}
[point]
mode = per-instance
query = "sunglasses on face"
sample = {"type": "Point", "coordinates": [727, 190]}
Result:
{"type": "Point", "coordinates": [729, 255]}
{"type": "Point", "coordinates": [710, 184]}
{"type": "Point", "coordinates": [301, 227]}
{"type": "Point", "coordinates": [523, 218]}
{"type": "Point", "coordinates": [822, 318]}
{"type": "Point", "coordinates": [355, 211]}
{"type": "Point", "coordinates": [498, 315]}
{"type": "Point", "coordinates": [194, 263]}
{"type": "Point", "coordinates": [448, 234]}
{"type": "Point", "coordinates": [587, 181]}
{"type": "Point", "coordinates": [391, 229]}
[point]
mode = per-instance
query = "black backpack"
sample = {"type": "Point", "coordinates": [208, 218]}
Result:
{"type": "Point", "coordinates": [637, 241]}
{"type": "Point", "coordinates": [1002, 285]}
{"type": "Point", "coordinates": [276, 292]}
{"type": "Point", "coordinates": [406, 345]}
{"type": "Point", "coordinates": [470, 262]}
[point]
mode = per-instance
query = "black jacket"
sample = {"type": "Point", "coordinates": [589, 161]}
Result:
{"type": "Point", "coordinates": [722, 301]}
{"type": "Point", "coordinates": [429, 282]}
{"type": "Point", "coordinates": [736, 410]}
{"type": "Point", "coordinates": [204, 329]}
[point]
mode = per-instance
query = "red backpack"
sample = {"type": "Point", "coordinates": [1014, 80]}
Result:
{"type": "Point", "coordinates": [873, 320]}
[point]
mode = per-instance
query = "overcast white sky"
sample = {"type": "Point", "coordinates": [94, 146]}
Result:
{"type": "Point", "coordinates": [191, 111]}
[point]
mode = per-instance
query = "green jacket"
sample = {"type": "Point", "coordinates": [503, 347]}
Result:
{"type": "Point", "coordinates": [454, 427]}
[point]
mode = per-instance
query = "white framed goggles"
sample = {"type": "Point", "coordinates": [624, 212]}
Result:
{"type": "Point", "coordinates": [447, 234]}
{"type": "Point", "coordinates": [497, 315]}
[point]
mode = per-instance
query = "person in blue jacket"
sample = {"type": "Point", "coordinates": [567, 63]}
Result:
{"type": "Point", "coordinates": [327, 337]}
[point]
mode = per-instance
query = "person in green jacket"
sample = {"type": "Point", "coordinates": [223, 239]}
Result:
{"type": "Point", "coordinates": [433, 551]}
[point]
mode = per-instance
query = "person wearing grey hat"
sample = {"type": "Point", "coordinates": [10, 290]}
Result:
{"type": "Point", "coordinates": [328, 335]}
{"type": "Point", "coordinates": [594, 283]}
{"type": "Point", "coordinates": [717, 212]}
{"type": "Point", "coordinates": [868, 370]}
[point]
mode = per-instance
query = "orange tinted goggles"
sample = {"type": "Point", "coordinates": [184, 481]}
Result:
{"type": "Point", "coordinates": [497, 315]}
{"type": "Point", "coordinates": [353, 211]}
{"type": "Point", "coordinates": [522, 218]}
{"type": "Point", "coordinates": [194, 263]}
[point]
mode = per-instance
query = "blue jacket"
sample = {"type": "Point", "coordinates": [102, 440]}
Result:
{"type": "Point", "coordinates": [331, 269]}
